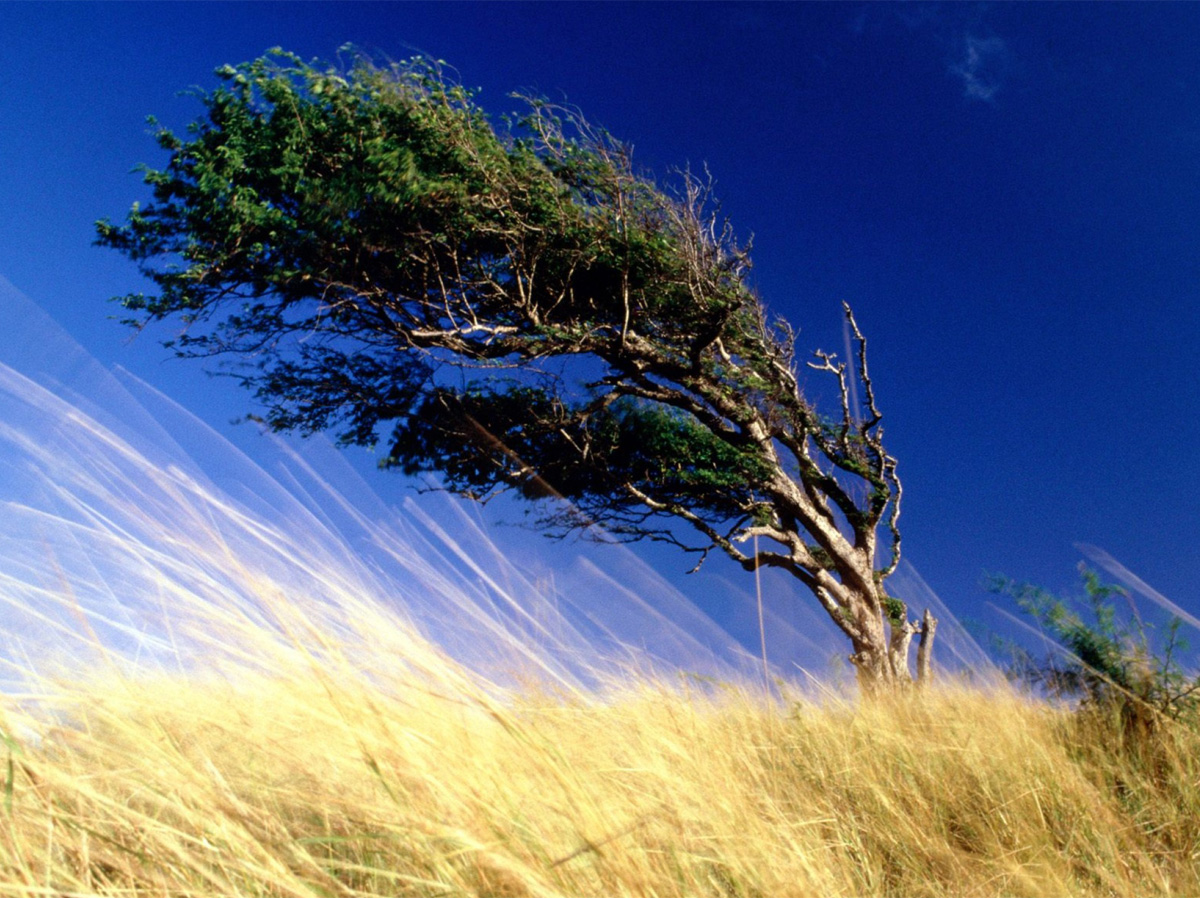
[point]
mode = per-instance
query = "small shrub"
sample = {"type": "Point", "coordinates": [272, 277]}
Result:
{"type": "Point", "coordinates": [1107, 660]}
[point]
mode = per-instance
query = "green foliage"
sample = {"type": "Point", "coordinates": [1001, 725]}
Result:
{"type": "Point", "coordinates": [361, 230]}
{"type": "Point", "coordinates": [309, 188]}
{"type": "Point", "coordinates": [894, 610]}
{"type": "Point", "coordinates": [489, 437]}
{"type": "Point", "coordinates": [1111, 662]}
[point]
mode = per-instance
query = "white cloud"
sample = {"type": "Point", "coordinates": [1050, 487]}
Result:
{"type": "Point", "coordinates": [981, 67]}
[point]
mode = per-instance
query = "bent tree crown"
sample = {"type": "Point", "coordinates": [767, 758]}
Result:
{"type": "Point", "coordinates": [516, 308]}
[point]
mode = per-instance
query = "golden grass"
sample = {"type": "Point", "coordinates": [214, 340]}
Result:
{"type": "Point", "coordinates": [312, 744]}
{"type": "Point", "coordinates": [316, 781]}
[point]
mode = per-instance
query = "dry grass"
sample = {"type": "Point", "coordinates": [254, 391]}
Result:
{"type": "Point", "coordinates": [310, 743]}
{"type": "Point", "coordinates": [313, 780]}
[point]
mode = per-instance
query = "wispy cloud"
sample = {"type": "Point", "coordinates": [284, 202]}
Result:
{"type": "Point", "coordinates": [981, 66]}
{"type": "Point", "coordinates": [974, 56]}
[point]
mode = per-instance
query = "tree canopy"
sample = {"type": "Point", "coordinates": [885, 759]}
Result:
{"type": "Point", "coordinates": [514, 306]}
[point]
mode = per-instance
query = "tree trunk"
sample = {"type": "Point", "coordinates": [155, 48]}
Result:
{"type": "Point", "coordinates": [871, 657]}
{"type": "Point", "coordinates": [881, 662]}
{"type": "Point", "coordinates": [925, 651]}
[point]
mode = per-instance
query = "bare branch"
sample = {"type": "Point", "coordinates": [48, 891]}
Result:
{"type": "Point", "coordinates": [868, 389]}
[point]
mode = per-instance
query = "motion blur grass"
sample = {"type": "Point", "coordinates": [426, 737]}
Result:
{"type": "Point", "coordinates": [303, 777]}
{"type": "Point", "coordinates": [210, 697]}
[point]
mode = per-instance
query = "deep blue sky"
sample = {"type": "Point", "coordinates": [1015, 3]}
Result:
{"type": "Point", "coordinates": [1009, 196]}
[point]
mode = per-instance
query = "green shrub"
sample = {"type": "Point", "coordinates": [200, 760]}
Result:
{"type": "Point", "coordinates": [1107, 660]}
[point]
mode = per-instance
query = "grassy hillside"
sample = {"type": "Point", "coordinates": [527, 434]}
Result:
{"type": "Point", "coordinates": [299, 775]}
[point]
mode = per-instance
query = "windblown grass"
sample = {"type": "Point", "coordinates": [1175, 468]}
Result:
{"type": "Point", "coordinates": [251, 715]}
{"type": "Point", "coordinates": [303, 777]}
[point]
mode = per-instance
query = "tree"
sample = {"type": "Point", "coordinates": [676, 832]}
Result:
{"type": "Point", "coordinates": [526, 312]}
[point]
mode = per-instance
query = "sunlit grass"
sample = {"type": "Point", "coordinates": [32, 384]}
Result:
{"type": "Point", "coordinates": [303, 777]}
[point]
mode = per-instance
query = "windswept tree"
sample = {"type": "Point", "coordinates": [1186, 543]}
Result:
{"type": "Point", "coordinates": [517, 308]}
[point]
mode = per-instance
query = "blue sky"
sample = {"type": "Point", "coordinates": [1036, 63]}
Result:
{"type": "Point", "coordinates": [1008, 195]}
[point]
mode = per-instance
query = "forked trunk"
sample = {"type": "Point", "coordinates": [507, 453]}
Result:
{"type": "Point", "coordinates": [881, 654]}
